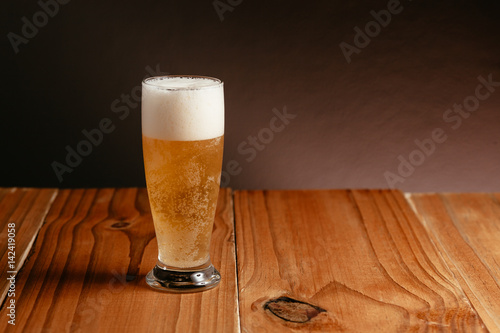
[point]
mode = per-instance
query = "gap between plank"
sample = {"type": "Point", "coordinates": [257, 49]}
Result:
{"type": "Point", "coordinates": [24, 257]}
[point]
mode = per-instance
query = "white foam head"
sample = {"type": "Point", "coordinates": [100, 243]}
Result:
{"type": "Point", "coordinates": [182, 108]}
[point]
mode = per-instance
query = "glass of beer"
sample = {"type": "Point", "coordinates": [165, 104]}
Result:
{"type": "Point", "coordinates": [183, 139]}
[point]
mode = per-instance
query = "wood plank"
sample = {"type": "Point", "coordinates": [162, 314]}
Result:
{"type": "Point", "coordinates": [26, 209]}
{"type": "Point", "coordinates": [466, 229]}
{"type": "Point", "coordinates": [87, 271]}
{"type": "Point", "coordinates": [350, 261]}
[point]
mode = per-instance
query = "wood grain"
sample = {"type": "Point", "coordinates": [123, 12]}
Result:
{"type": "Point", "coordinates": [348, 261]}
{"type": "Point", "coordinates": [86, 273]}
{"type": "Point", "coordinates": [26, 208]}
{"type": "Point", "coordinates": [466, 229]}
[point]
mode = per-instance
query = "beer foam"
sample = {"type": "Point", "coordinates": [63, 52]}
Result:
{"type": "Point", "coordinates": [182, 108]}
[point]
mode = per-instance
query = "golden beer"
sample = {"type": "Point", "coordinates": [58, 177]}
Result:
{"type": "Point", "coordinates": [183, 180]}
{"type": "Point", "coordinates": [183, 139]}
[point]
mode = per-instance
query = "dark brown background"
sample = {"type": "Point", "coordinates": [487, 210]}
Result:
{"type": "Point", "coordinates": [352, 120]}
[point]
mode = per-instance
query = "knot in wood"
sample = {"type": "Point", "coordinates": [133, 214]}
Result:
{"type": "Point", "coordinates": [292, 310]}
{"type": "Point", "coordinates": [119, 225]}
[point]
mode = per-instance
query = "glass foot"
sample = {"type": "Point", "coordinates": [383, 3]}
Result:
{"type": "Point", "coordinates": [185, 281]}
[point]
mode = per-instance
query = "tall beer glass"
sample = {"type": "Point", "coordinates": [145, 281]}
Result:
{"type": "Point", "coordinates": [183, 138]}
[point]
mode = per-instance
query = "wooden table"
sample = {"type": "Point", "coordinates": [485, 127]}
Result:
{"type": "Point", "coordinates": [291, 261]}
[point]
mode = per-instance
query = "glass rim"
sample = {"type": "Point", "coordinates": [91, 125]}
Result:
{"type": "Point", "coordinates": [216, 82]}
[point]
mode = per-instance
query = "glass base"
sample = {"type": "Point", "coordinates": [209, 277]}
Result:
{"type": "Point", "coordinates": [185, 281]}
